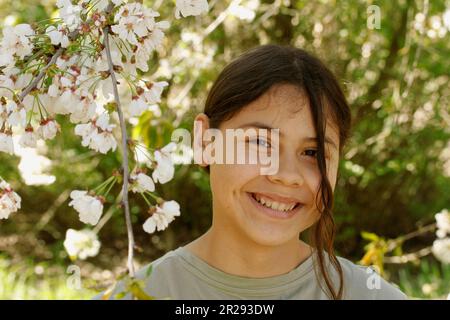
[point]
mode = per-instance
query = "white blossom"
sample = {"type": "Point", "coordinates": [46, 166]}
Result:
{"type": "Point", "coordinates": [153, 94]}
{"type": "Point", "coordinates": [164, 170]}
{"type": "Point", "coordinates": [170, 208]}
{"type": "Point", "coordinates": [443, 223]}
{"type": "Point", "coordinates": [97, 134]}
{"type": "Point", "coordinates": [141, 182]}
{"type": "Point", "coordinates": [89, 208]}
{"type": "Point", "coordinates": [86, 131]}
{"type": "Point", "coordinates": [11, 79]}
{"type": "Point", "coordinates": [162, 217]}
{"type": "Point", "coordinates": [64, 102]}
{"type": "Point", "coordinates": [441, 250]}
{"type": "Point", "coordinates": [17, 115]}
{"type": "Point", "coordinates": [58, 36]}
{"type": "Point", "coordinates": [83, 110]}
{"type": "Point", "coordinates": [103, 142]}
{"type": "Point", "coordinates": [145, 48]}
{"type": "Point", "coordinates": [48, 129]}
{"type": "Point", "coordinates": [6, 83]}
{"type": "Point", "coordinates": [118, 2]}
{"type": "Point", "coordinates": [6, 142]}
{"type": "Point", "coordinates": [29, 138]}
{"type": "Point", "coordinates": [190, 8]}
{"type": "Point", "coordinates": [33, 166]}
{"type": "Point", "coordinates": [69, 13]}
{"type": "Point", "coordinates": [10, 201]}
{"type": "Point", "coordinates": [81, 244]}
{"type": "Point", "coordinates": [244, 12]}
{"type": "Point", "coordinates": [137, 106]}
{"type": "Point", "coordinates": [16, 42]}
{"type": "Point", "coordinates": [134, 21]}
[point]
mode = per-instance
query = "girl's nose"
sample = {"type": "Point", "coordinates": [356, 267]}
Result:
{"type": "Point", "coordinates": [289, 173]}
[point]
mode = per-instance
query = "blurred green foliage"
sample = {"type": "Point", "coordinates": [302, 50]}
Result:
{"type": "Point", "coordinates": [393, 177]}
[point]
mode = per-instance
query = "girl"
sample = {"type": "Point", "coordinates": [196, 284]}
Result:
{"type": "Point", "coordinates": [253, 249]}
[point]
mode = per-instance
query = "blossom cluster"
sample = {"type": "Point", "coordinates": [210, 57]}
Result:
{"type": "Point", "coordinates": [78, 84]}
{"type": "Point", "coordinates": [9, 200]}
{"type": "Point", "coordinates": [64, 68]}
{"type": "Point", "coordinates": [441, 246]}
{"type": "Point", "coordinates": [89, 205]}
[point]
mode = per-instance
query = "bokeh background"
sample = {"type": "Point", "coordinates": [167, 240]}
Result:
{"type": "Point", "coordinates": [394, 178]}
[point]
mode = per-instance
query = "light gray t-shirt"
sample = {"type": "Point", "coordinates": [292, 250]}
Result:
{"type": "Point", "coordinates": [180, 274]}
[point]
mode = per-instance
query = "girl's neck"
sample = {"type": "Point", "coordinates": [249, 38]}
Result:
{"type": "Point", "coordinates": [246, 259]}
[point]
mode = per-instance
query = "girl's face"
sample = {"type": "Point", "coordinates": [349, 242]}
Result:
{"type": "Point", "coordinates": [237, 187]}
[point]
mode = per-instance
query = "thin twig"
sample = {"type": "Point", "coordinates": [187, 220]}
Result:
{"type": "Point", "coordinates": [123, 129]}
{"type": "Point", "coordinates": [395, 242]}
{"type": "Point", "coordinates": [41, 74]}
{"type": "Point", "coordinates": [48, 215]}
{"type": "Point", "coordinates": [408, 257]}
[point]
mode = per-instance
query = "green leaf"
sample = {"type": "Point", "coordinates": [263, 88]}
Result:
{"type": "Point", "coordinates": [369, 236]}
{"type": "Point", "coordinates": [120, 295]}
{"type": "Point", "coordinates": [149, 270]}
{"type": "Point", "coordinates": [138, 292]}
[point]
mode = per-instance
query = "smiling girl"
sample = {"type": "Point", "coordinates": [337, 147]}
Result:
{"type": "Point", "coordinates": [254, 247]}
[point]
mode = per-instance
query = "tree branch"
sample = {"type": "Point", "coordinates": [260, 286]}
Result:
{"type": "Point", "coordinates": [123, 129]}
{"type": "Point", "coordinates": [408, 257]}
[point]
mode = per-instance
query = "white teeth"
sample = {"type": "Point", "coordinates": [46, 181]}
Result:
{"type": "Point", "coordinates": [274, 204]}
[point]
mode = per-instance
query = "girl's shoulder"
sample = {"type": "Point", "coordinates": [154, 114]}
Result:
{"type": "Point", "coordinates": [365, 282]}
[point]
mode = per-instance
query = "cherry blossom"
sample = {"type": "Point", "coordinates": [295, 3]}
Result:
{"type": "Point", "coordinates": [153, 94]}
{"type": "Point", "coordinates": [190, 8]}
{"type": "Point", "coordinates": [12, 79]}
{"type": "Point", "coordinates": [58, 36]}
{"type": "Point", "coordinates": [16, 42]}
{"type": "Point", "coordinates": [97, 134]}
{"type": "Point", "coordinates": [81, 244]}
{"type": "Point", "coordinates": [162, 217]}
{"type": "Point", "coordinates": [84, 109]}
{"type": "Point", "coordinates": [9, 200]}
{"type": "Point", "coordinates": [16, 115]}
{"type": "Point", "coordinates": [29, 138]}
{"type": "Point", "coordinates": [48, 129]}
{"type": "Point", "coordinates": [90, 208]}
{"type": "Point", "coordinates": [441, 250]}
{"type": "Point", "coordinates": [141, 182]}
{"type": "Point", "coordinates": [73, 77]}
{"type": "Point", "coordinates": [164, 169]}
{"type": "Point", "coordinates": [6, 142]}
{"type": "Point", "coordinates": [69, 13]}
{"type": "Point", "coordinates": [443, 223]}
{"type": "Point", "coordinates": [137, 106]}
{"type": "Point", "coordinates": [134, 21]}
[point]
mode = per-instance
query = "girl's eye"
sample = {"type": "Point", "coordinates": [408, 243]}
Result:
{"type": "Point", "coordinates": [261, 142]}
{"type": "Point", "coordinates": [312, 152]}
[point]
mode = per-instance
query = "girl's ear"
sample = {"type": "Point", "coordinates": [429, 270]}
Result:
{"type": "Point", "coordinates": [201, 124]}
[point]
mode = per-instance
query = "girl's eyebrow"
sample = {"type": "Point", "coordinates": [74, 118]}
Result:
{"type": "Point", "coordinates": [265, 126]}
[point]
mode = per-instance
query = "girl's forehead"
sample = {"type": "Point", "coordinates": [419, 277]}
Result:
{"type": "Point", "coordinates": [287, 98]}
{"type": "Point", "coordinates": [280, 101]}
{"type": "Point", "coordinates": [285, 107]}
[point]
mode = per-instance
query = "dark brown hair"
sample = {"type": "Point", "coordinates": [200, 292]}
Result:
{"type": "Point", "coordinates": [252, 74]}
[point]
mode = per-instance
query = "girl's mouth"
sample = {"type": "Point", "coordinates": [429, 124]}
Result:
{"type": "Point", "coordinates": [274, 209]}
